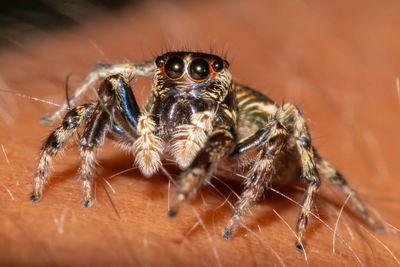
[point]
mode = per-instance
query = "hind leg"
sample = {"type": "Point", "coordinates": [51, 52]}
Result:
{"type": "Point", "coordinates": [355, 203]}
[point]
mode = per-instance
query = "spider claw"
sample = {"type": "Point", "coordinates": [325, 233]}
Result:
{"type": "Point", "coordinates": [231, 227]}
{"type": "Point", "coordinates": [227, 233]}
{"type": "Point", "coordinates": [88, 203]}
{"type": "Point", "coordinates": [35, 198]}
{"type": "Point", "coordinates": [171, 214]}
{"type": "Point", "coordinates": [176, 204]}
{"type": "Point", "coordinates": [299, 247]}
{"type": "Point", "coordinates": [375, 225]}
{"type": "Point", "coordinates": [378, 228]}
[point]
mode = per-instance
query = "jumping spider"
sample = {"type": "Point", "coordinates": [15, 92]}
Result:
{"type": "Point", "coordinates": [205, 122]}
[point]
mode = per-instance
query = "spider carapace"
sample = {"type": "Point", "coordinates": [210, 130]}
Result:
{"type": "Point", "coordinates": [201, 119]}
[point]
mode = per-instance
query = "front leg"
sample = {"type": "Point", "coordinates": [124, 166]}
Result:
{"type": "Point", "coordinates": [55, 143]}
{"type": "Point", "coordinates": [100, 72]}
{"type": "Point", "coordinates": [92, 139]}
{"type": "Point", "coordinates": [115, 101]}
{"type": "Point", "coordinates": [219, 144]}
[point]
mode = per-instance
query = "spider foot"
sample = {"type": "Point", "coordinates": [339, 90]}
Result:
{"type": "Point", "coordinates": [36, 194]}
{"type": "Point", "coordinates": [380, 230]}
{"type": "Point", "coordinates": [88, 198]}
{"type": "Point", "coordinates": [171, 214]}
{"type": "Point", "coordinates": [176, 204]}
{"type": "Point", "coordinates": [35, 198]}
{"type": "Point", "coordinates": [376, 225]}
{"type": "Point", "coordinates": [226, 234]}
{"type": "Point", "coordinates": [88, 203]}
{"type": "Point", "coordinates": [186, 190]}
{"type": "Point", "coordinates": [299, 247]}
{"type": "Point", "coordinates": [231, 227]}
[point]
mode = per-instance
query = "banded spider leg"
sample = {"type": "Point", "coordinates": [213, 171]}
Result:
{"type": "Point", "coordinates": [115, 101]}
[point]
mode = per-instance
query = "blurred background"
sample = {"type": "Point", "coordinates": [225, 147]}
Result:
{"type": "Point", "coordinates": [338, 61]}
{"type": "Point", "coordinates": [22, 20]}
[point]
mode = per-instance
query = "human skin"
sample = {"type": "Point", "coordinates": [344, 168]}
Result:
{"type": "Point", "coordinates": [336, 61]}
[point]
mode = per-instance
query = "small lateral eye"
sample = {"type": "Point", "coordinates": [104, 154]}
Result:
{"type": "Point", "coordinates": [160, 61]}
{"type": "Point", "coordinates": [174, 67]}
{"type": "Point", "coordinates": [218, 65]}
{"type": "Point", "coordinates": [199, 69]}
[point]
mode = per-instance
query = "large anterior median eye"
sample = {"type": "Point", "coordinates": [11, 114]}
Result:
{"type": "Point", "coordinates": [174, 67]}
{"type": "Point", "coordinates": [199, 69]}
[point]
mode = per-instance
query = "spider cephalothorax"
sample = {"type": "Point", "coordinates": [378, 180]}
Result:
{"type": "Point", "coordinates": [193, 93]}
{"type": "Point", "coordinates": [198, 117]}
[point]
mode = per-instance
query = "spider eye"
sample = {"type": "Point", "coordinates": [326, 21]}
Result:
{"type": "Point", "coordinates": [174, 67]}
{"type": "Point", "coordinates": [160, 61]}
{"type": "Point", "coordinates": [218, 65]}
{"type": "Point", "coordinates": [199, 69]}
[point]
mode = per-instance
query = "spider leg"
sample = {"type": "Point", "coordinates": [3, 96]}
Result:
{"type": "Point", "coordinates": [54, 143]}
{"type": "Point", "coordinates": [116, 112]}
{"type": "Point", "coordinates": [291, 118]}
{"type": "Point", "coordinates": [355, 203]}
{"type": "Point", "coordinates": [219, 144]}
{"type": "Point", "coordinates": [270, 140]}
{"type": "Point", "coordinates": [100, 71]}
{"type": "Point", "coordinates": [256, 108]}
{"type": "Point", "coordinates": [92, 138]}
{"type": "Point", "coordinates": [116, 101]}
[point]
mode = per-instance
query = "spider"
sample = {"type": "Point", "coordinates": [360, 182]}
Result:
{"type": "Point", "coordinates": [202, 120]}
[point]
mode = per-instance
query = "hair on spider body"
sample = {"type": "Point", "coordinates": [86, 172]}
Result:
{"type": "Point", "coordinates": [201, 119]}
